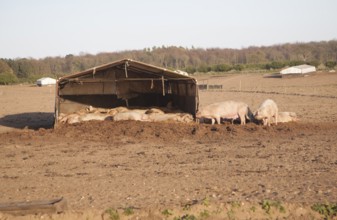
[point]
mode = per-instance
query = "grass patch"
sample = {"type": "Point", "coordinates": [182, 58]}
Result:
{"type": "Point", "coordinates": [128, 211]}
{"type": "Point", "coordinates": [231, 214]}
{"type": "Point", "coordinates": [327, 210]}
{"type": "Point", "coordinates": [235, 204]}
{"type": "Point", "coordinates": [113, 214]}
{"type": "Point", "coordinates": [204, 214]}
{"type": "Point", "coordinates": [166, 213]}
{"type": "Point", "coordinates": [268, 204]}
{"type": "Point", "coordinates": [185, 217]}
{"type": "Point", "coordinates": [253, 208]}
{"type": "Point", "coordinates": [206, 202]}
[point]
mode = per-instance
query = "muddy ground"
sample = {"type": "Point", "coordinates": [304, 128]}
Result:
{"type": "Point", "coordinates": [153, 167]}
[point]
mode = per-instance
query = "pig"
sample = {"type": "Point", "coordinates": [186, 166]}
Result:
{"type": "Point", "coordinates": [94, 116]}
{"type": "Point", "coordinates": [69, 119]}
{"type": "Point", "coordinates": [284, 117]}
{"type": "Point", "coordinates": [78, 117]}
{"type": "Point", "coordinates": [185, 117]}
{"type": "Point", "coordinates": [116, 110]}
{"type": "Point", "coordinates": [225, 110]}
{"type": "Point", "coordinates": [155, 111]}
{"type": "Point", "coordinates": [91, 109]}
{"type": "Point", "coordinates": [130, 115]}
{"type": "Point", "coordinates": [267, 112]}
{"type": "Point", "coordinates": [175, 117]}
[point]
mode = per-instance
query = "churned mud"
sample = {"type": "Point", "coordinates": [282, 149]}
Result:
{"type": "Point", "coordinates": [226, 170]}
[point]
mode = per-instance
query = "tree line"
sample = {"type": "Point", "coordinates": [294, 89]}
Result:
{"type": "Point", "coordinates": [322, 54]}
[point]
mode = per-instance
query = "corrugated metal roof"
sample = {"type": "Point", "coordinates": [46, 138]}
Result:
{"type": "Point", "coordinates": [133, 65]}
{"type": "Point", "coordinates": [300, 69]}
{"type": "Point", "coordinates": [304, 66]}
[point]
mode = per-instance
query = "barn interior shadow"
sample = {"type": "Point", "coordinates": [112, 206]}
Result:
{"type": "Point", "coordinates": [30, 120]}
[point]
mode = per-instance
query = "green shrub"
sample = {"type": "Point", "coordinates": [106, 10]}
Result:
{"type": "Point", "coordinates": [6, 74]}
{"type": "Point", "coordinates": [6, 79]}
{"type": "Point", "coordinates": [221, 68]}
{"type": "Point", "coordinates": [330, 64]}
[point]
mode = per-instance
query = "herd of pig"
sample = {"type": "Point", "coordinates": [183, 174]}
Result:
{"type": "Point", "coordinates": [124, 113]}
{"type": "Point", "coordinates": [266, 114]}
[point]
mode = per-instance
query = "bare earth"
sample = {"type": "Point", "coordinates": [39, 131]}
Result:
{"type": "Point", "coordinates": [225, 170]}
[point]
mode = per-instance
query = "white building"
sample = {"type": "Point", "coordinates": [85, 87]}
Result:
{"type": "Point", "coordinates": [181, 72]}
{"type": "Point", "coordinates": [45, 81]}
{"type": "Point", "coordinates": [301, 69]}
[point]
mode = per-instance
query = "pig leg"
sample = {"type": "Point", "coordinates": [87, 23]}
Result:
{"type": "Point", "coordinates": [276, 118]}
{"type": "Point", "coordinates": [269, 121]}
{"type": "Point", "coordinates": [242, 119]}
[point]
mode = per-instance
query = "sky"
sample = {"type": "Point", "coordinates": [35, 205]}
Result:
{"type": "Point", "coordinates": [49, 28]}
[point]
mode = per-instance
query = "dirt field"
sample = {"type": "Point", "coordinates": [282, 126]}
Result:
{"type": "Point", "coordinates": [168, 170]}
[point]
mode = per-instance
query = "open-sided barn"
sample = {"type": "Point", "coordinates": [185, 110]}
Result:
{"type": "Point", "coordinates": [126, 83]}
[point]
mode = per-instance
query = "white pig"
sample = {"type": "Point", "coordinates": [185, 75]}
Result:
{"type": "Point", "coordinates": [225, 110]}
{"type": "Point", "coordinates": [284, 117]}
{"type": "Point", "coordinates": [267, 112]}
{"type": "Point", "coordinates": [130, 115]}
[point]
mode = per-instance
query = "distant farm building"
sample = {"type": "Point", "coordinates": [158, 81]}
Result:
{"type": "Point", "coordinates": [45, 81]}
{"type": "Point", "coordinates": [301, 69]}
{"type": "Point", "coordinates": [181, 72]}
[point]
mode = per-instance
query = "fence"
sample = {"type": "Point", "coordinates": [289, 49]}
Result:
{"type": "Point", "coordinates": [211, 87]}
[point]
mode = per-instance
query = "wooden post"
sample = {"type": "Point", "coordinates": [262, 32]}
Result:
{"type": "Point", "coordinates": [93, 72]}
{"type": "Point", "coordinates": [163, 84]}
{"type": "Point", "coordinates": [126, 69]}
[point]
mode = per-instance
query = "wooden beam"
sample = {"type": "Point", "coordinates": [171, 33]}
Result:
{"type": "Point", "coordinates": [96, 80]}
{"type": "Point", "coordinates": [34, 207]}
